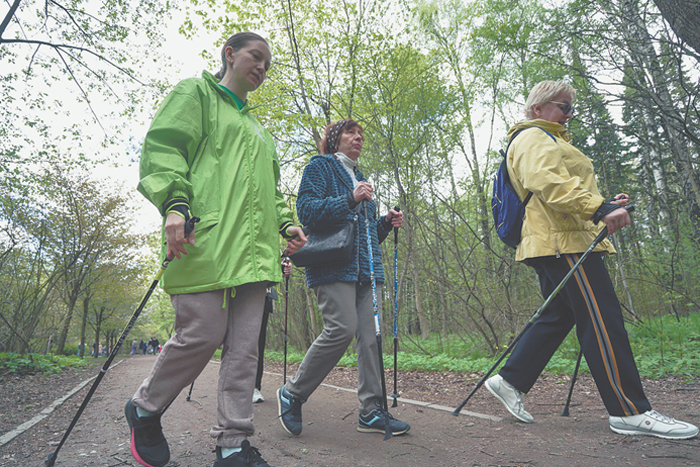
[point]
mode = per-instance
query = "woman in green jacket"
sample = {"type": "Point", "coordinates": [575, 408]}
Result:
{"type": "Point", "coordinates": [563, 217]}
{"type": "Point", "coordinates": [205, 155]}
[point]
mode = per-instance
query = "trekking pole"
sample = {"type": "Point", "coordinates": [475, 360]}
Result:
{"type": "Point", "coordinates": [395, 395]}
{"type": "Point", "coordinates": [286, 310]}
{"type": "Point", "coordinates": [189, 227]}
{"type": "Point", "coordinates": [189, 394]}
{"type": "Point", "coordinates": [565, 413]}
{"type": "Point", "coordinates": [377, 329]}
{"type": "Point", "coordinates": [603, 233]}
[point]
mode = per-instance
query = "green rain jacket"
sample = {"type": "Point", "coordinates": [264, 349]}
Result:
{"type": "Point", "coordinates": [200, 147]}
{"type": "Point", "coordinates": [565, 192]}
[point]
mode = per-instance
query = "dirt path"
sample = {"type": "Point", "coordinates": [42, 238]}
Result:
{"type": "Point", "coordinates": [330, 437]}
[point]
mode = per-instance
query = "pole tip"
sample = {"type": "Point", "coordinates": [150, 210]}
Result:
{"type": "Point", "coordinates": [51, 460]}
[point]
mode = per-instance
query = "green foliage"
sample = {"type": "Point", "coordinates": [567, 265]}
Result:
{"type": "Point", "coordinates": [667, 346]}
{"type": "Point", "coordinates": [293, 356]}
{"type": "Point", "coordinates": [36, 363]}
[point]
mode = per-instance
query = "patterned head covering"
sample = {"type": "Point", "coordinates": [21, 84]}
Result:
{"type": "Point", "coordinates": [333, 133]}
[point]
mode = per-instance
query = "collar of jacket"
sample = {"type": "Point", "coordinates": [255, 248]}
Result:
{"type": "Point", "coordinates": [213, 82]}
{"type": "Point", "coordinates": [340, 168]}
{"type": "Point", "coordinates": [554, 128]}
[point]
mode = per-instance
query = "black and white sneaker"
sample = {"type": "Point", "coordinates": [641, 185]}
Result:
{"type": "Point", "coordinates": [248, 456]}
{"type": "Point", "coordinates": [148, 445]}
{"type": "Point", "coordinates": [374, 423]}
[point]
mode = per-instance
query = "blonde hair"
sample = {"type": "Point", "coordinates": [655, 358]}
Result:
{"type": "Point", "coordinates": [544, 92]}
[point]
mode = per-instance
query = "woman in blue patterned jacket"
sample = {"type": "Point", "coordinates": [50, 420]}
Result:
{"type": "Point", "coordinates": [331, 189]}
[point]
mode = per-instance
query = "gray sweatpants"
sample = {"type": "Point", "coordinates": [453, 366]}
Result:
{"type": "Point", "coordinates": [203, 322]}
{"type": "Point", "coordinates": [348, 311]}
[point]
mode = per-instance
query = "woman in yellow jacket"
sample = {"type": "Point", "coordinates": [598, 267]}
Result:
{"type": "Point", "coordinates": [563, 217]}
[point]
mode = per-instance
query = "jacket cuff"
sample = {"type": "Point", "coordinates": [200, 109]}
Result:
{"type": "Point", "coordinates": [283, 230]}
{"type": "Point", "coordinates": [386, 222]}
{"type": "Point", "coordinates": [604, 209]}
{"type": "Point", "coordinates": [179, 205]}
{"type": "Point", "coordinates": [352, 204]}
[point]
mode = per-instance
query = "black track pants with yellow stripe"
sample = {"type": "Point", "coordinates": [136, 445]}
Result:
{"type": "Point", "coordinates": [588, 300]}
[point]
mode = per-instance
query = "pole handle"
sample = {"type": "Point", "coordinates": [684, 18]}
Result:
{"type": "Point", "coordinates": [396, 229]}
{"type": "Point", "coordinates": [190, 225]}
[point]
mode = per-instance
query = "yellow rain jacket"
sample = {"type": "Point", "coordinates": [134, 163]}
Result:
{"type": "Point", "coordinates": [565, 192]}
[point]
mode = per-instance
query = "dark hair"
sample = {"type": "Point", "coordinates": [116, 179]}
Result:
{"type": "Point", "coordinates": [328, 145]}
{"type": "Point", "coordinates": [236, 42]}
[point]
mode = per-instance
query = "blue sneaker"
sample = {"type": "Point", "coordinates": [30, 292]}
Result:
{"type": "Point", "coordinates": [374, 423]}
{"type": "Point", "coordinates": [289, 411]}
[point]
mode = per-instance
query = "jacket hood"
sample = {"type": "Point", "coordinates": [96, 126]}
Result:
{"type": "Point", "coordinates": [554, 128]}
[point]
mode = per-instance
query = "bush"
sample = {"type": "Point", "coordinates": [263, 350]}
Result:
{"type": "Point", "coordinates": [36, 363]}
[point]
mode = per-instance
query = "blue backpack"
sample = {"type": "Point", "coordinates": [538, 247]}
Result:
{"type": "Point", "coordinates": [508, 211]}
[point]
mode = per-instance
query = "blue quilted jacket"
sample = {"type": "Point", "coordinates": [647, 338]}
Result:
{"type": "Point", "coordinates": [322, 199]}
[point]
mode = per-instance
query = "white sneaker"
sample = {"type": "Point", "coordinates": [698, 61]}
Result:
{"type": "Point", "coordinates": [257, 396]}
{"type": "Point", "coordinates": [511, 397]}
{"type": "Point", "coordinates": [654, 424]}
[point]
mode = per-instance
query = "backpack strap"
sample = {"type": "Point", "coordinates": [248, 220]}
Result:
{"type": "Point", "coordinates": [505, 155]}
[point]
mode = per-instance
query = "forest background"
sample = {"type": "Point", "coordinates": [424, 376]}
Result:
{"type": "Point", "coordinates": [434, 84]}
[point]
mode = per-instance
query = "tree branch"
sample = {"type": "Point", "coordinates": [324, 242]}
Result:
{"type": "Point", "coordinates": [72, 48]}
{"type": "Point", "coordinates": [8, 17]}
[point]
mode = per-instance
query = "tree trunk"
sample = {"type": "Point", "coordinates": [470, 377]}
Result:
{"type": "Point", "coordinates": [422, 319]}
{"type": "Point", "coordinates": [83, 325]}
{"type": "Point", "coordinates": [645, 57]}
{"type": "Point", "coordinates": [684, 18]}
{"type": "Point", "coordinates": [65, 328]}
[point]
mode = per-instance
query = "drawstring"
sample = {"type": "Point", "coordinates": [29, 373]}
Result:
{"type": "Point", "coordinates": [233, 295]}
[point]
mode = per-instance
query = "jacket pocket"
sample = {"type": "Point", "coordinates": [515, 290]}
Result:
{"type": "Point", "coordinates": [207, 221]}
{"type": "Point", "coordinates": [205, 178]}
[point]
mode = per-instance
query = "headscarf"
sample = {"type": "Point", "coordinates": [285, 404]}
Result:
{"type": "Point", "coordinates": [333, 134]}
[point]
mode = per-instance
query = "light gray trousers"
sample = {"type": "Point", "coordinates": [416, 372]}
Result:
{"type": "Point", "coordinates": [203, 322]}
{"type": "Point", "coordinates": [348, 311]}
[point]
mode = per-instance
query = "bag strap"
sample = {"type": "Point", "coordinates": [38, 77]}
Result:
{"type": "Point", "coordinates": [505, 155]}
{"type": "Point", "coordinates": [335, 170]}
{"type": "Point", "coordinates": [339, 177]}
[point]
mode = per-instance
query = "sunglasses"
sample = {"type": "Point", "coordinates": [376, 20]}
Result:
{"type": "Point", "coordinates": [565, 107]}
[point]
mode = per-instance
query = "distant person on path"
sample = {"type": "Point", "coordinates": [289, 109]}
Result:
{"type": "Point", "coordinates": [331, 188]}
{"type": "Point", "coordinates": [562, 219]}
{"type": "Point", "coordinates": [153, 345]}
{"type": "Point", "coordinates": [134, 347]}
{"type": "Point", "coordinates": [143, 347]}
{"type": "Point", "coordinates": [206, 155]}
{"type": "Point", "coordinates": [270, 296]}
